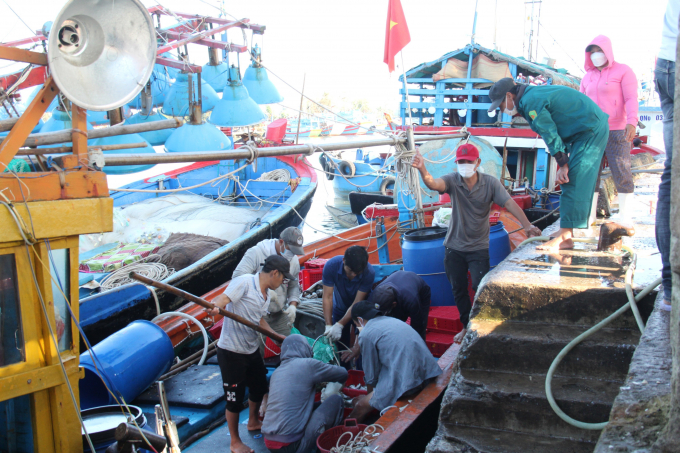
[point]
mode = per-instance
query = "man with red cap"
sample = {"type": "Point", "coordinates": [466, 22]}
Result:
{"type": "Point", "coordinates": [467, 242]}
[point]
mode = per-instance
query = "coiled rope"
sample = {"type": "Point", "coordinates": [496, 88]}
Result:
{"type": "Point", "coordinates": [149, 267]}
{"type": "Point", "coordinates": [358, 443]}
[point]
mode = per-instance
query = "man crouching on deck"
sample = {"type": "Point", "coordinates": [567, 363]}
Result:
{"type": "Point", "coordinates": [467, 242]}
{"type": "Point", "coordinates": [396, 360]}
{"type": "Point", "coordinates": [238, 352]}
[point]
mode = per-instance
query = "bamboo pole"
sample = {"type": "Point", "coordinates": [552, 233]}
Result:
{"type": "Point", "coordinates": [205, 304]}
{"type": "Point", "coordinates": [52, 138]}
{"type": "Point", "coordinates": [274, 151]}
{"type": "Point", "coordinates": [8, 124]}
{"type": "Point", "coordinates": [68, 149]}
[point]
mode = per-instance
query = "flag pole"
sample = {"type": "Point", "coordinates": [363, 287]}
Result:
{"type": "Point", "coordinates": [408, 101]}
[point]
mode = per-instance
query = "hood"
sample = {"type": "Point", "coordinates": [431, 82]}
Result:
{"type": "Point", "coordinates": [603, 43]}
{"type": "Point", "coordinates": [296, 347]}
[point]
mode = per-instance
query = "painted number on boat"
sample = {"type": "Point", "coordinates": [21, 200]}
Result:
{"type": "Point", "coordinates": [651, 117]}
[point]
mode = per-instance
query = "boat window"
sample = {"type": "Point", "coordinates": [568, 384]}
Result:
{"type": "Point", "coordinates": [11, 332]}
{"type": "Point", "coordinates": [59, 266]}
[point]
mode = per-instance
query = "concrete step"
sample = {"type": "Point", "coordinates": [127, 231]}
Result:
{"type": "Point", "coordinates": [571, 287]}
{"type": "Point", "coordinates": [473, 439]}
{"type": "Point", "coordinates": [517, 402]}
{"type": "Point", "coordinates": [530, 348]}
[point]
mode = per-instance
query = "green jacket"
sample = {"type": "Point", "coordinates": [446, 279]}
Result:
{"type": "Point", "coordinates": [560, 114]}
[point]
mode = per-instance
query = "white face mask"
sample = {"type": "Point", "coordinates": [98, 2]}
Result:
{"type": "Point", "coordinates": [598, 58]}
{"type": "Point", "coordinates": [466, 170]}
{"type": "Point", "coordinates": [512, 112]}
{"type": "Point", "coordinates": [287, 254]}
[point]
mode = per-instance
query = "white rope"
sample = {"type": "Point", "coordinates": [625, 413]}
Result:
{"type": "Point", "coordinates": [358, 443]}
{"type": "Point", "coordinates": [149, 267]}
{"type": "Point", "coordinates": [279, 175]}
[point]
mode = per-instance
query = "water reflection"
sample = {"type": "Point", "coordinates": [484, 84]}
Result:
{"type": "Point", "coordinates": [556, 267]}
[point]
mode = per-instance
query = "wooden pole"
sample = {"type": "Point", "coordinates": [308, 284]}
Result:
{"type": "Point", "coordinates": [68, 149]}
{"type": "Point", "coordinates": [505, 161]}
{"type": "Point", "coordinates": [52, 138]}
{"type": "Point", "coordinates": [205, 304]}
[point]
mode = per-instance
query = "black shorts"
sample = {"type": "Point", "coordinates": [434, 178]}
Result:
{"type": "Point", "coordinates": [238, 372]}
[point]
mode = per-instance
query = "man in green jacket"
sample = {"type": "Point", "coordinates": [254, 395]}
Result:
{"type": "Point", "coordinates": [575, 130]}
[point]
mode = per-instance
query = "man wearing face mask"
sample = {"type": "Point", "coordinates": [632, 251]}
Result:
{"type": "Point", "coordinates": [289, 244]}
{"type": "Point", "coordinates": [467, 242]}
{"type": "Point", "coordinates": [576, 132]}
{"type": "Point", "coordinates": [396, 361]}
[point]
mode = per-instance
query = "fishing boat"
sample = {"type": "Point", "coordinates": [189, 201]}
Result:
{"type": "Point", "coordinates": [365, 173]}
{"type": "Point", "coordinates": [304, 131]}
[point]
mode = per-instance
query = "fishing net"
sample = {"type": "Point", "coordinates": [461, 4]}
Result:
{"type": "Point", "coordinates": [18, 166]}
{"type": "Point", "coordinates": [322, 350]}
{"type": "Point", "coordinates": [153, 221]}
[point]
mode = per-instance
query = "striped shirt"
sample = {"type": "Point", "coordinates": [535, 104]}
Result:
{"type": "Point", "coordinates": [248, 302]}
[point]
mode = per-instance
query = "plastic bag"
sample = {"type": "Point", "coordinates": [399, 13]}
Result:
{"type": "Point", "coordinates": [442, 217]}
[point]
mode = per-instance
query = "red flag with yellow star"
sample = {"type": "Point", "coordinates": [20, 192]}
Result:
{"type": "Point", "coordinates": [397, 35]}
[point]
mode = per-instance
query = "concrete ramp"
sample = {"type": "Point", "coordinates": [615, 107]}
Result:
{"type": "Point", "coordinates": [527, 309]}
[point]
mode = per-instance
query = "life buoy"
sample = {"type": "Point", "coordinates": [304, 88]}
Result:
{"type": "Point", "coordinates": [347, 168]}
{"type": "Point", "coordinates": [387, 184]}
{"type": "Point", "coordinates": [326, 167]}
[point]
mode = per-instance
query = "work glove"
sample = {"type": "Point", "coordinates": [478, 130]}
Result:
{"type": "Point", "coordinates": [332, 388]}
{"type": "Point", "coordinates": [333, 333]}
{"type": "Point", "coordinates": [290, 312]}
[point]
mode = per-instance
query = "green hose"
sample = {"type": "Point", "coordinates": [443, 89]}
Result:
{"type": "Point", "coordinates": [632, 304]}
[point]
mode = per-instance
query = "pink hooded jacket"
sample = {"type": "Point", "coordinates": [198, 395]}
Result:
{"type": "Point", "coordinates": [614, 89]}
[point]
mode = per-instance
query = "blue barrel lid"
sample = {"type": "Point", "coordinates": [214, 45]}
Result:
{"type": "Point", "coordinates": [425, 234]}
{"type": "Point", "coordinates": [497, 227]}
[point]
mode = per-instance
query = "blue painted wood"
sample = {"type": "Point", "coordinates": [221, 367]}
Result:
{"type": "Point", "coordinates": [103, 305]}
{"type": "Point", "coordinates": [542, 159]}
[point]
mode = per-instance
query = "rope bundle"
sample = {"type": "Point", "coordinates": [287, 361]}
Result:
{"type": "Point", "coordinates": [358, 443]}
{"type": "Point", "coordinates": [149, 267]}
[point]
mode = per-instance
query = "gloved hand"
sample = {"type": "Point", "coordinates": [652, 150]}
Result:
{"type": "Point", "coordinates": [332, 388]}
{"type": "Point", "coordinates": [334, 332]}
{"type": "Point", "coordinates": [290, 312]}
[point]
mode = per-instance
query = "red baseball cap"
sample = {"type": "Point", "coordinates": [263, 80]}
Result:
{"type": "Point", "coordinates": [467, 151]}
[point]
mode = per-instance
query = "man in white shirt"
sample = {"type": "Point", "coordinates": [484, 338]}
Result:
{"type": "Point", "coordinates": [238, 352]}
{"type": "Point", "coordinates": [284, 300]}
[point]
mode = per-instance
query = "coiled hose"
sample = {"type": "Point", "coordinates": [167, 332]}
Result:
{"type": "Point", "coordinates": [206, 342]}
{"type": "Point", "coordinates": [632, 304]}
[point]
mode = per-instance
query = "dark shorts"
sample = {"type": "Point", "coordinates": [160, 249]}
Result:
{"type": "Point", "coordinates": [238, 372]}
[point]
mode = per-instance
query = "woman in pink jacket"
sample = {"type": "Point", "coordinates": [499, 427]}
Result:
{"type": "Point", "coordinates": [613, 87]}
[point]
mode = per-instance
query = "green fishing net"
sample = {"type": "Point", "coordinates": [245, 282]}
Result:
{"type": "Point", "coordinates": [18, 166]}
{"type": "Point", "coordinates": [323, 351]}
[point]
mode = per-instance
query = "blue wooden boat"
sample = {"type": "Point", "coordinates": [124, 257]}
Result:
{"type": "Point", "coordinates": [104, 313]}
{"type": "Point", "coordinates": [365, 174]}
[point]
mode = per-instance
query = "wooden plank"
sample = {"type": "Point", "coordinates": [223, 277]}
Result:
{"type": "Point", "coordinates": [60, 218]}
{"type": "Point", "coordinates": [49, 186]}
{"type": "Point", "coordinates": [16, 54]}
{"type": "Point", "coordinates": [35, 380]}
{"type": "Point", "coordinates": [79, 135]}
{"type": "Point", "coordinates": [36, 77]}
{"type": "Point", "coordinates": [29, 119]}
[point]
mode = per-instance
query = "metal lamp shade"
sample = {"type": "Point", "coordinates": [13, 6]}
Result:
{"type": "Point", "coordinates": [155, 138]}
{"type": "Point", "coordinates": [217, 76]}
{"type": "Point", "coordinates": [236, 108]}
{"type": "Point", "coordinates": [260, 88]}
{"type": "Point", "coordinates": [177, 100]}
{"type": "Point", "coordinates": [197, 137]}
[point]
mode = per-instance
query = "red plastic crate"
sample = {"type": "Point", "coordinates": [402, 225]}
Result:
{"type": "Point", "coordinates": [308, 277]}
{"type": "Point", "coordinates": [355, 377]}
{"type": "Point", "coordinates": [315, 263]}
{"type": "Point", "coordinates": [271, 349]}
{"type": "Point", "coordinates": [438, 343]}
{"type": "Point", "coordinates": [444, 320]}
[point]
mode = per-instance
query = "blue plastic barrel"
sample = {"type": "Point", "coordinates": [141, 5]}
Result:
{"type": "Point", "coordinates": [423, 253]}
{"type": "Point", "coordinates": [553, 201]}
{"type": "Point", "coordinates": [499, 244]}
{"type": "Point", "coordinates": [482, 115]}
{"type": "Point", "coordinates": [130, 360]}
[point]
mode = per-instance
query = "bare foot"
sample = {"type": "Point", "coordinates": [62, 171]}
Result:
{"type": "Point", "coordinates": [254, 425]}
{"type": "Point", "coordinates": [263, 406]}
{"type": "Point", "coordinates": [240, 447]}
{"type": "Point", "coordinates": [557, 244]}
{"type": "Point", "coordinates": [459, 336]}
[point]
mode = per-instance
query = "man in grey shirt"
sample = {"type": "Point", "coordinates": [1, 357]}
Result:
{"type": "Point", "coordinates": [291, 424]}
{"type": "Point", "coordinates": [467, 242]}
{"type": "Point", "coordinates": [396, 360]}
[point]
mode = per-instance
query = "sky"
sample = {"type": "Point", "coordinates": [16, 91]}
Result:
{"type": "Point", "coordinates": [338, 46]}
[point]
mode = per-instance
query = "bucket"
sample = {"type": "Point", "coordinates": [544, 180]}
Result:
{"type": "Point", "coordinates": [101, 423]}
{"type": "Point", "coordinates": [329, 438]}
{"type": "Point", "coordinates": [423, 253]}
{"type": "Point", "coordinates": [499, 244]}
{"type": "Point", "coordinates": [130, 360]}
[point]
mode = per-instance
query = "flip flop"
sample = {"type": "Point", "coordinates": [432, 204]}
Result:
{"type": "Point", "coordinates": [665, 306]}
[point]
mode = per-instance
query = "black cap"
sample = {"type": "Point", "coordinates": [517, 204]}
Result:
{"type": "Point", "coordinates": [383, 297]}
{"type": "Point", "coordinates": [498, 91]}
{"type": "Point", "coordinates": [366, 310]}
{"type": "Point", "coordinates": [279, 263]}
